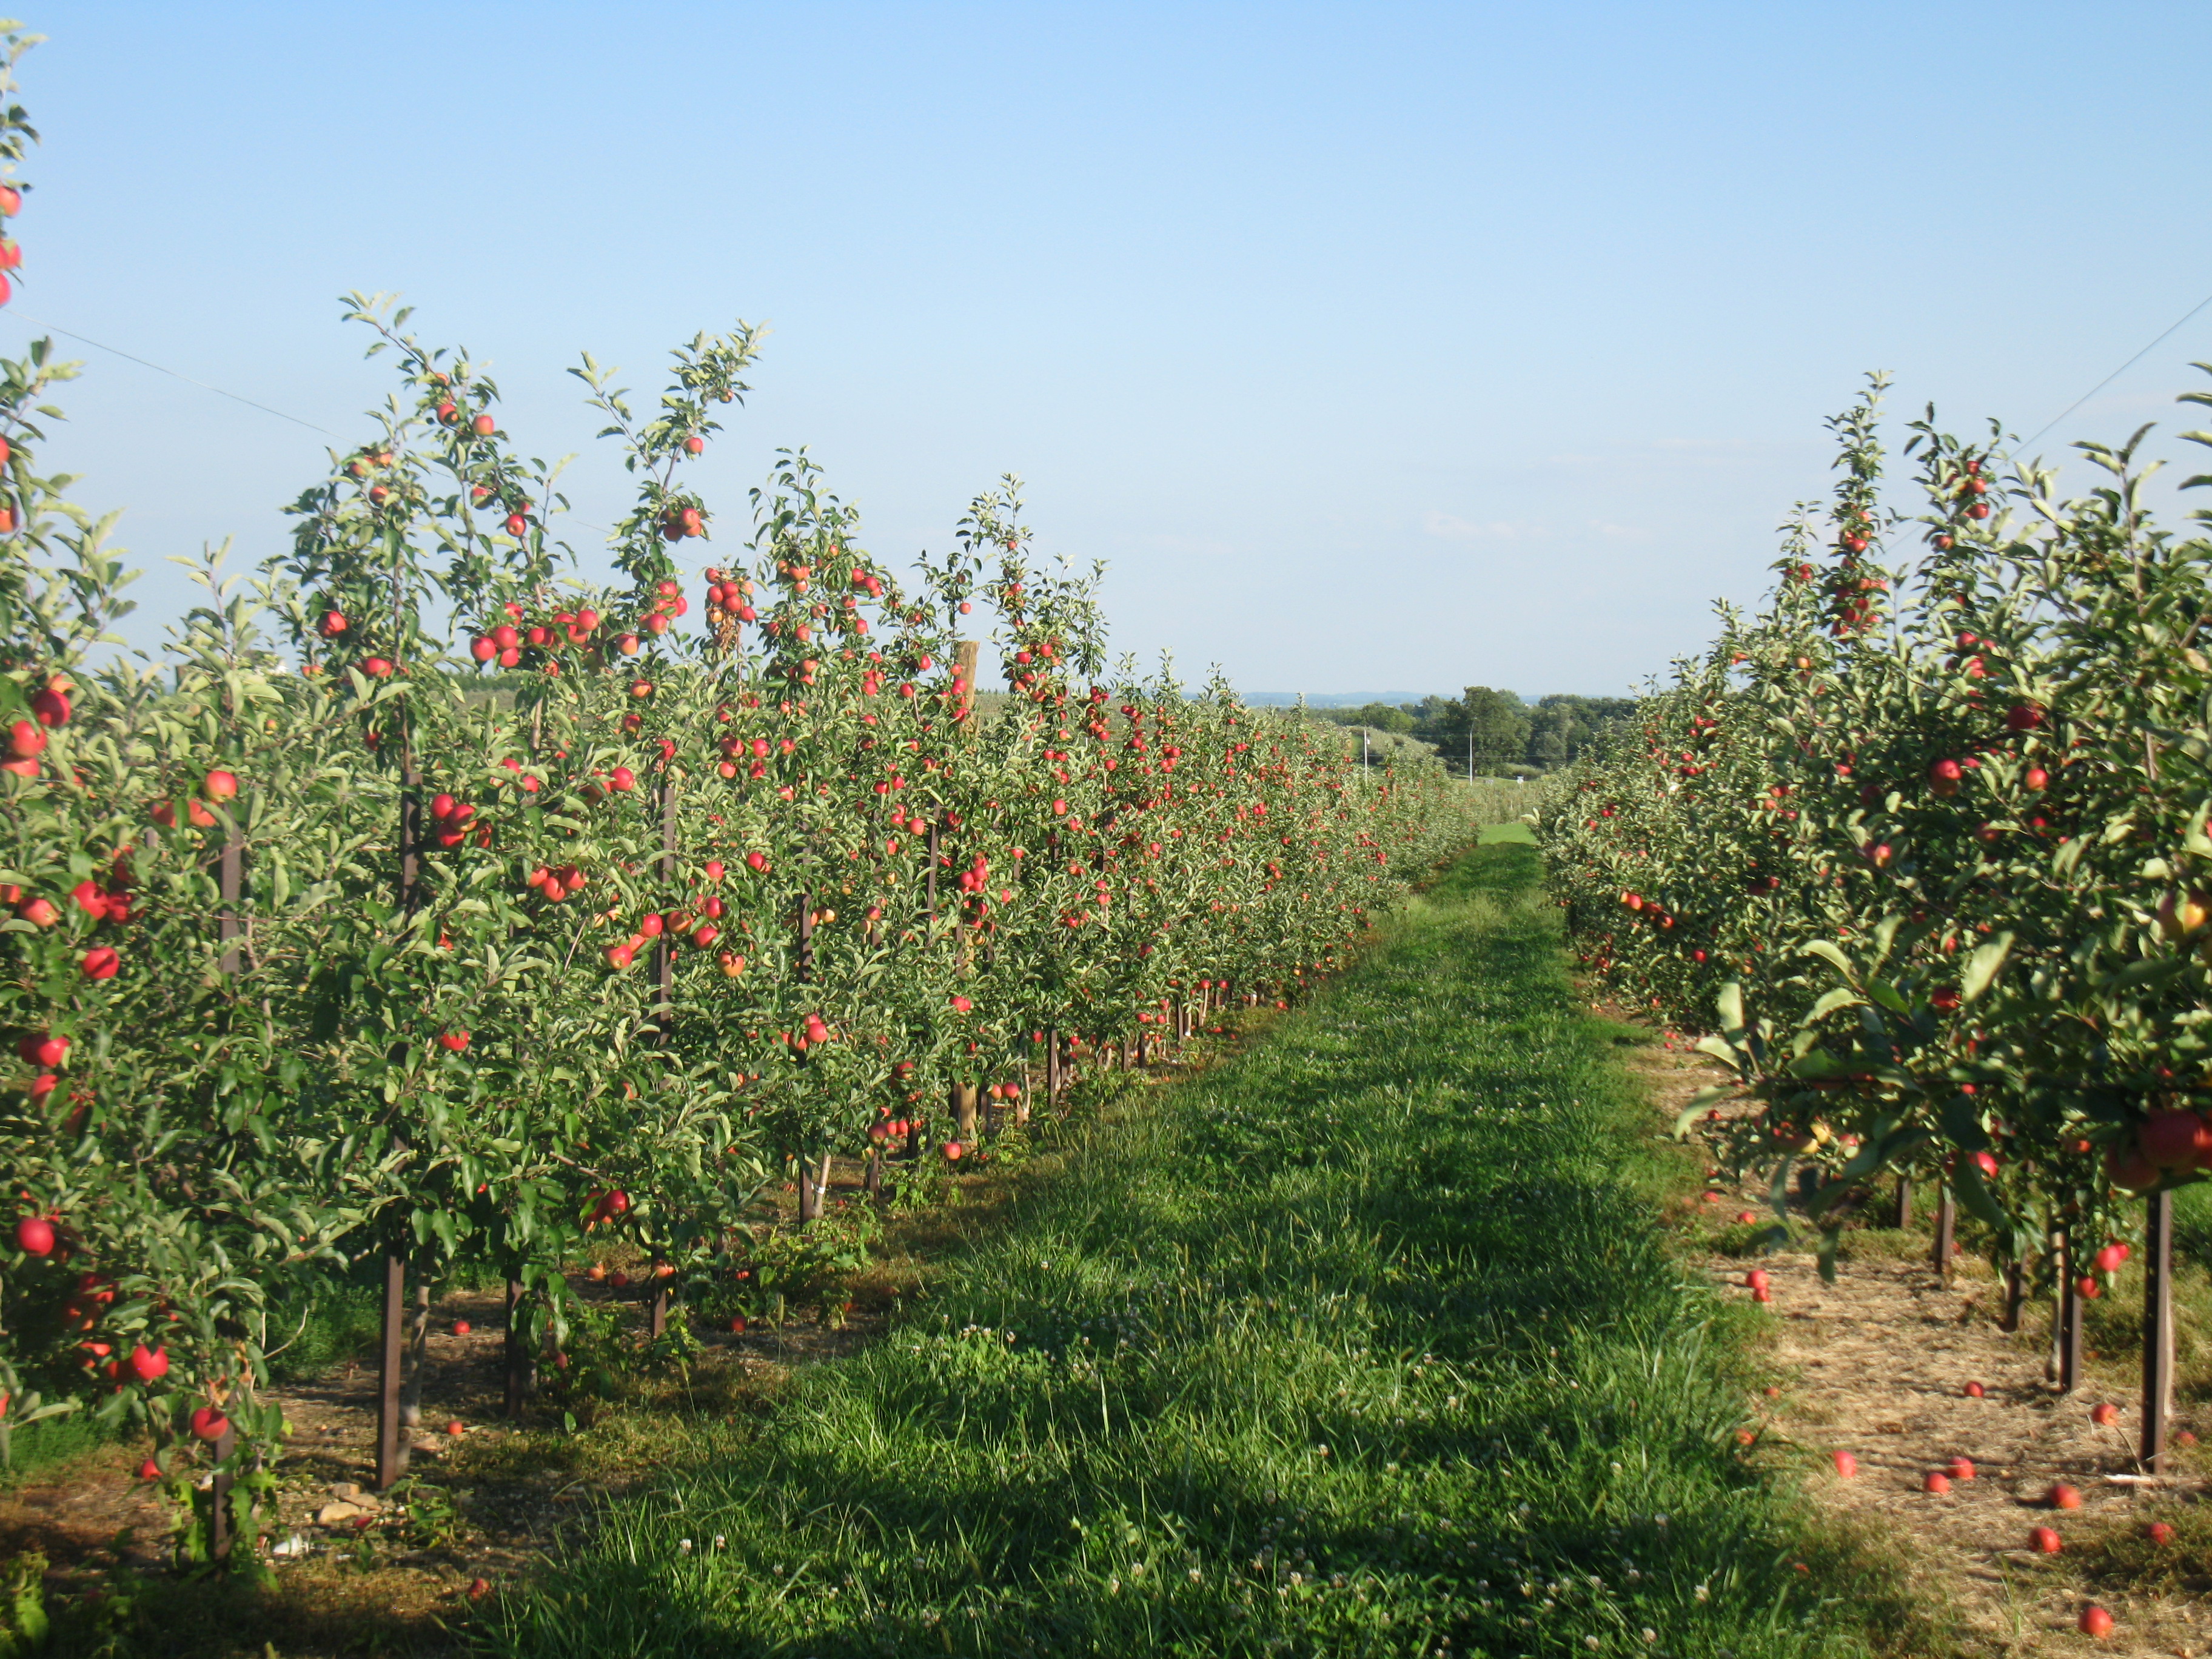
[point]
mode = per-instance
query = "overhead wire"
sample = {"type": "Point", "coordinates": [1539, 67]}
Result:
{"type": "Point", "coordinates": [2122, 369]}
{"type": "Point", "coordinates": [236, 397]}
{"type": "Point", "coordinates": [144, 363]}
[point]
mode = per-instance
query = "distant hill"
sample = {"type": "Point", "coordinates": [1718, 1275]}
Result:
{"type": "Point", "coordinates": [1329, 699]}
{"type": "Point", "coordinates": [1346, 699]}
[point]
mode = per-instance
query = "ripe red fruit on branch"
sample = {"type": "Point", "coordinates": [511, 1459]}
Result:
{"type": "Point", "coordinates": [517, 526]}
{"type": "Point", "coordinates": [2175, 1139]}
{"type": "Point", "coordinates": [220, 785]}
{"type": "Point", "coordinates": [694, 445]}
{"type": "Point", "coordinates": [2113, 1258]}
{"type": "Point", "coordinates": [148, 1366]}
{"type": "Point", "coordinates": [149, 1470]}
{"type": "Point", "coordinates": [101, 963]}
{"type": "Point", "coordinates": [51, 705]}
{"type": "Point", "coordinates": [44, 1051]}
{"type": "Point", "coordinates": [377, 668]}
{"type": "Point", "coordinates": [34, 1236]}
{"type": "Point", "coordinates": [209, 1424]}
{"type": "Point", "coordinates": [453, 1041]}
{"type": "Point", "coordinates": [484, 426]}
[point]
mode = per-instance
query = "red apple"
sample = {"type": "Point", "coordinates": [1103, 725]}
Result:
{"type": "Point", "coordinates": [1846, 1465]}
{"type": "Point", "coordinates": [1935, 1481]}
{"type": "Point", "coordinates": [453, 1041]}
{"type": "Point", "coordinates": [2159, 1533]}
{"type": "Point", "coordinates": [2063, 1497]}
{"type": "Point", "coordinates": [2104, 1412]}
{"type": "Point", "coordinates": [1973, 1391]}
{"type": "Point", "coordinates": [2044, 1540]}
{"type": "Point", "coordinates": [210, 1425]}
{"type": "Point", "coordinates": [36, 1234]}
{"type": "Point", "coordinates": [50, 705]}
{"type": "Point", "coordinates": [101, 963]}
{"type": "Point", "coordinates": [694, 445]}
{"type": "Point", "coordinates": [954, 1151]}
{"type": "Point", "coordinates": [1960, 1468]}
{"type": "Point", "coordinates": [462, 1327]}
{"type": "Point", "coordinates": [149, 1470]}
{"type": "Point", "coordinates": [484, 426]}
{"type": "Point", "coordinates": [2095, 1621]}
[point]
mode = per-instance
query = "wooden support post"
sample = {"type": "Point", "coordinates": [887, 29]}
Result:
{"type": "Point", "coordinates": [391, 1450]}
{"type": "Point", "coordinates": [964, 655]}
{"type": "Point", "coordinates": [1902, 1217]}
{"type": "Point", "coordinates": [391, 1443]}
{"type": "Point", "coordinates": [516, 1357]}
{"type": "Point", "coordinates": [664, 949]}
{"type": "Point", "coordinates": [962, 1102]}
{"type": "Point", "coordinates": [2069, 1319]}
{"type": "Point", "coordinates": [664, 1010]}
{"type": "Point", "coordinates": [1946, 1224]}
{"type": "Point", "coordinates": [1052, 1081]}
{"type": "Point", "coordinates": [223, 1536]}
{"type": "Point", "coordinates": [2157, 1330]}
{"type": "Point", "coordinates": [2015, 1292]}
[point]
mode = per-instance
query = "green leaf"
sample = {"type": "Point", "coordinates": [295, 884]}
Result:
{"type": "Point", "coordinates": [1843, 996]}
{"type": "Point", "coordinates": [1698, 1104]}
{"type": "Point", "coordinates": [1729, 1006]}
{"type": "Point", "coordinates": [1830, 953]}
{"type": "Point", "coordinates": [1983, 967]}
{"type": "Point", "coordinates": [1974, 1194]}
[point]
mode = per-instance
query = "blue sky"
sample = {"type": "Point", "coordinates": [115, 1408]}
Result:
{"type": "Point", "coordinates": [1386, 346]}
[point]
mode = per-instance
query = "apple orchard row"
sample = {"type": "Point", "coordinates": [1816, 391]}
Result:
{"type": "Point", "coordinates": [507, 918]}
{"type": "Point", "coordinates": [1927, 849]}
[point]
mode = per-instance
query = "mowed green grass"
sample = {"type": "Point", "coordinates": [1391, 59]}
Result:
{"type": "Point", "coordinates": [1364, 1342]}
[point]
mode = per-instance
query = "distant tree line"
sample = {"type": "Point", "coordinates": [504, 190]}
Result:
{"type": "Point", "coordinates": [1508, 734]}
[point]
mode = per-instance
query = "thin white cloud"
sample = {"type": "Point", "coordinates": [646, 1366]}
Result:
{"type": "Point", "coordinates": [1446, 526]}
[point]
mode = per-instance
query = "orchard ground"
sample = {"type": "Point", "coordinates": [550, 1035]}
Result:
{"type": "Point", "coordinates": [1364, 1338]}
{"type": "Point", "coordinates": [1905, 1371]}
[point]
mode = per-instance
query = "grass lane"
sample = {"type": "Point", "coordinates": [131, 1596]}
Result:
{"type": "Point", "coordinates": [1364, 1342]}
